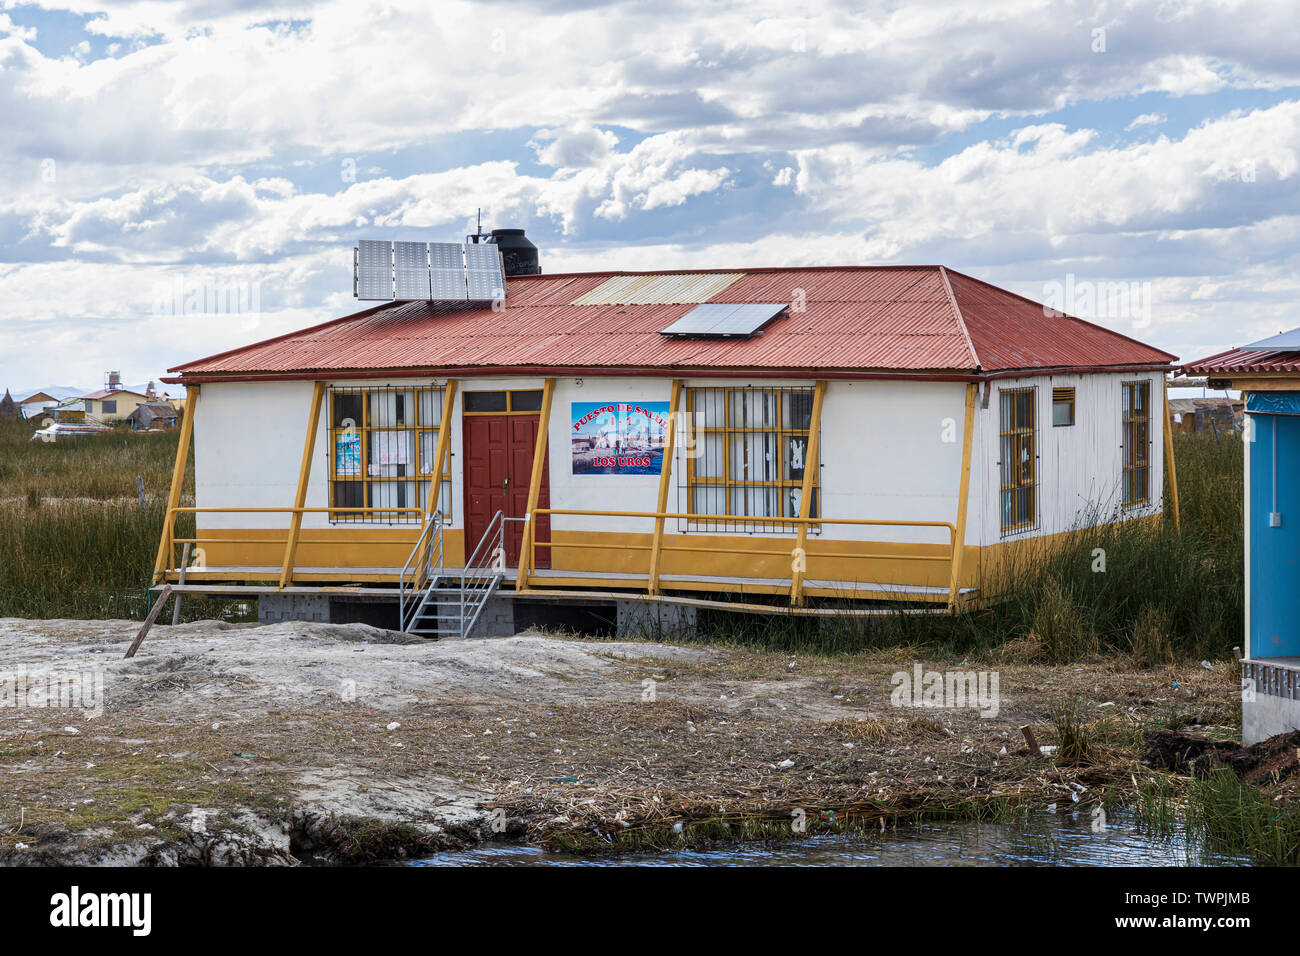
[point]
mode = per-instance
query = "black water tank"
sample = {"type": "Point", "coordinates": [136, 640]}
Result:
{"type": "Point", "coordinates": [518, 252]}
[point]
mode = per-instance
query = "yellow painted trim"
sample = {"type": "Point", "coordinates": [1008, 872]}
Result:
{"type": "Point", "coordinates": [304, 475]}
{"type": "Point", "coordinates": [165, 545]}
{"type": "Point", "coordinates": [527, 559]}
{"type": "Point", "coordinates": [335, 547]}
{"type": "Point", "coordinates": [811, 465]}
{"type": "Point", "coordinates": [665, 480]}
{"type": "Point", "coordinates": [1170, 463]}
{"type": "Point", "coordinates": [959, 535]}
{"type": "Point", "coordinates": [443, 448]}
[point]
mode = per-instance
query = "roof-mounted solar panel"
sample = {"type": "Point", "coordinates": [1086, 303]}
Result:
{"type": "Point", "coordinates": [439, 271]}
{"type": "Point", "coordinates": [374, 269]}
{"type": "Point", "coordinates": [1283, 342]}
{"type": "Point", "coordinates": [446, 271]}
{"type": "Point", "coordinates": [725, 320]}
{"type": "Point", "coordinates": [411, 270]}
{"type": "Point", "coordinates": [483, 274]}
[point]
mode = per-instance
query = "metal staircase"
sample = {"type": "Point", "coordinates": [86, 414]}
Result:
{"type": "Point", "coordinates": [433, 603]}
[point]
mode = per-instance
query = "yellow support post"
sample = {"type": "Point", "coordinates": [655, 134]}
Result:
{"type": "Point", "coordinates": [304, 475]}
{"type": "Point", "coordinates": [443, 448]}
{"type": "Point", "coordinates": [963, 500]}
{"type": "Point", "coordinates": [665, 479]}
{"type": "Point", "coordinates": [178, 481]}
{"type": "Point", "coordinates": [534, 489]}
{"type": "Point", "coordinates": [1171, 465]}
{"type": "Point", "coordinates": [811, 467]}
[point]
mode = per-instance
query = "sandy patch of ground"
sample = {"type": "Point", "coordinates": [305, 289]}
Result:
{"type": "Point", "coordinates": [226, 743]}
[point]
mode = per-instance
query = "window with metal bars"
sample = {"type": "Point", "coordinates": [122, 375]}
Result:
{"type": "Point", "coordinates": [1135, 480]}
{"type": "Point", "coordinates": [1019, 462]}
{"type": "Point", "coordinates": [382, 449]}
{"type": "Point", "coordinates": [746, 457]}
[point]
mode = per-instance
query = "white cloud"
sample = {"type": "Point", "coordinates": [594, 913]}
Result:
{"type": "Point", "coordinates": [1147, 119]}
{"type": "Point", "coordinates": [207, 141]}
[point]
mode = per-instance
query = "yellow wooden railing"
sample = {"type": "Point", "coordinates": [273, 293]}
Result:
{"type": "Point", "coordinates": [798, 555]}
{"type": "Point", "coordinates": [167, 548]}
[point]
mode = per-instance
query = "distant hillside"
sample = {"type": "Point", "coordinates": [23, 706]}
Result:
{"type": "Point", "coordinates": [57, 391]}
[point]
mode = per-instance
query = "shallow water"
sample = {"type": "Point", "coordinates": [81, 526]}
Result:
{"type": "Point", "coordinates": [1045, 840]}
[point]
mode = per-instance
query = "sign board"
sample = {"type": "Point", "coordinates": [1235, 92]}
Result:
{"type": "Point", "coordinates": [618, 438]}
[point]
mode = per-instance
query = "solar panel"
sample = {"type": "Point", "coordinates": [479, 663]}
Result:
{"type": "Point", "coordinates": [374, 269]}
{"type": "Point", "coordinates": [483, 273]}
{"type": "Point", "coordinates": [725, 319]}
{"type": "Point", "coordinates": [411, 270]}
{"type": "Point", "coordinates": [446, 271]}
{"type": "Point", "coordinates": [1283, 342]}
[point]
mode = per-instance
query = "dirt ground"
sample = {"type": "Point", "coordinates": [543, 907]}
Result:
{"type": "Point", "coordinates": [245, 744]}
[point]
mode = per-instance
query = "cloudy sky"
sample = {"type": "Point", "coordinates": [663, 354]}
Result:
{"type": "Point", "coordinates": [157, 150]}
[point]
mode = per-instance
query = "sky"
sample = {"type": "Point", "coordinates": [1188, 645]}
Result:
{"type": "Point", "coordinates": [179, 178]}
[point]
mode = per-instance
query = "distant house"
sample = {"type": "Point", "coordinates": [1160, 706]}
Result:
{"type": "Point", "coordinates": [114, 405]}
{"type": "Point", "coordinates": [1211, 414]}
{"type": "Point", "coordinates": [35, 405]}
{"type": "Point", "coordinates": [68, 410]}
{"type": "Point", "coordinates": [151, 416]}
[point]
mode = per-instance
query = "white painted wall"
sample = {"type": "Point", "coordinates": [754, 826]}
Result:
{"type": "Point", "coordinates": [248, 439]}
{"type": "Point", "coordinates": [1079, 465]}
{"type": "Point", "coordinates": [890, 450]}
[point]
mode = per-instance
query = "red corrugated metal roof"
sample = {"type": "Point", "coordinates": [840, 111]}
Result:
{"type": "Point", "coordinates": [877, 318]}
{"type": "Point", "coordinates": [1237, 360]}
{"type": "Point", "coordinates": [1012, 332]}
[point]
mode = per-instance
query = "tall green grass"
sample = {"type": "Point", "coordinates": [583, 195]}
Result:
{"type": "Point", "coordinates": [100, 467]}
{"type": "Point", "coordinates": [74, 541]}
{"type": "Point", "coordinates": [87, 559]}
{"type": "Point", "coordinates": [1163, 595]}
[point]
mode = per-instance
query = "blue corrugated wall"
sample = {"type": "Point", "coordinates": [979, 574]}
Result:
{"type": "Point", "coordinates": [1275, 552]}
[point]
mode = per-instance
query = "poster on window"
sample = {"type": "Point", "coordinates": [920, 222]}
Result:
{"type": "Point", "coordinates": [618, 438]}
{"type": "Point", "coordinates": [347, 454]}
{"type": "Point", "coordinates": [390, 448]}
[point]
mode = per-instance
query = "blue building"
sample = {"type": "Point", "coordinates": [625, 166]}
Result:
{"type": "Point", "coordinates": [1268, 374]}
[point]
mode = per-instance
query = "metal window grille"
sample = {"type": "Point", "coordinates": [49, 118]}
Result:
{"type": "Point", "coordinates": [382, 448]}
{"type": "Point", "coordinates": [1135, 480]}
{"type": "Point", "coordinates": [1019, 459]}
{"type": "Point", "coordinates": [745, 455]}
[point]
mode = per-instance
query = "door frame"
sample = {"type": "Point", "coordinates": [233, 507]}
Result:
{"type": "Point", "coordinates": [514, 397]}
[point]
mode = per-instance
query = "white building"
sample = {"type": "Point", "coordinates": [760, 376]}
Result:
{"type": "Point", "coordinates": [880, 433]}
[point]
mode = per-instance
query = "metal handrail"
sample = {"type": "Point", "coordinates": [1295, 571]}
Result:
{"type": "Point", "coordinates": [422, 555]}
{"type": "Point", "coordinates": [169, 523]}
{"type": "Point", "coordinates": [534, 544]}
{"type": "Point", "coordinates": [475, 578]}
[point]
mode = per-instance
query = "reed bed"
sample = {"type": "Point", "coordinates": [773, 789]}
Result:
{"type": "Point", "coordinates": [74, 540]}
{"type": "Point", "coordinates": [1164, 595]}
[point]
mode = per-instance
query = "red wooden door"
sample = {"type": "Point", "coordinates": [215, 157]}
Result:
{"type": "Point", "coordinates": [498, 467]}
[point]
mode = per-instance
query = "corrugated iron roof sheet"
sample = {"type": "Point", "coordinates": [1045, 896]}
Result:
{"type": "Point", "coordinates": [662, 288]}
{"type": "Point", "coordinates": [1239, 360]}
{"type": "Point", "coordinates": [881, 318]}
{"type": "Point", "coordinates": [1012, 332]}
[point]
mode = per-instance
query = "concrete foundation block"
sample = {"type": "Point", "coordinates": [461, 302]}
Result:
{"type": "Point", "coordinates": [1267, 716]}
{"type": "Point", "coordinates": [274, 608]}
{"type": "Point", "coordinates": [654, 620]}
